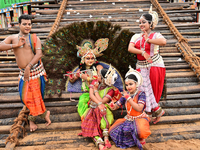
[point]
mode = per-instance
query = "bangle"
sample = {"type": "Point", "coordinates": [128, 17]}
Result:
{"type": "Point", "coordinates": [11, 46]}
{"type": "Point", "coordinates": [95, 91]}
{"type": "Point", "coordinates": [31, 65]}
{"type": "Point", "coordinates": [143, 53]}
{"type": "Point", "coordinates": [128, 98]}
{"type": "Point", "coordinates": [147, 40]}
{"type": "Point", "coordinates": [99, 103]}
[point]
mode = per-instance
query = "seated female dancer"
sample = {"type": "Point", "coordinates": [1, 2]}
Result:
{"type": "Point", "coordinates": [98, 117]}
{"type": "Point", "coordinates": [133, 129]}
{"type": "Point", "coordinates": [150, 64]}
{"type": "Point", "coordinates": [88, 61]}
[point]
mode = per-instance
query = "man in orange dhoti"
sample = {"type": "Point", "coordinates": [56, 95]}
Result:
{"type": "Point", "coordinates": [32, 77]}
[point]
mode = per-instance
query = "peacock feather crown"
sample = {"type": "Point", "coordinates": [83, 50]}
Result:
{"type": "Point", "coordinates": [96, 49]}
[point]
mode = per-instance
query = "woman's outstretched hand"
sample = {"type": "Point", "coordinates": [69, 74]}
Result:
{"type": "Point", "coordinates": [148, 57]}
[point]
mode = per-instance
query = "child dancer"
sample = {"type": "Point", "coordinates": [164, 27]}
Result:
{"type": "Point", "coordinates": [98, 117]}
{"type": "Point", "coordinates": [133, 129]}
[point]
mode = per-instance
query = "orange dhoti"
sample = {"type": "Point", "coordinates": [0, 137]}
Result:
{"type": "Point", "coordinates": [32, 91]}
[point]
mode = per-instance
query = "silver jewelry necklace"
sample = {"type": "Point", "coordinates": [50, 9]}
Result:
{"type": "Point", "coordinates": [143, 48]}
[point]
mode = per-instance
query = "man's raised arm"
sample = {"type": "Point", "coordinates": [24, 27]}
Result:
{"type": "Point", "coordinates": [7, 43]}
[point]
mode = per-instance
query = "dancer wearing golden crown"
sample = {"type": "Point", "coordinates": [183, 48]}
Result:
{"type": "Point", "coordinates": [88, 68]}
{"type": "Point", "coordinates": [150, 64]}
{"type": "Point", "coordinates": [133, 129]}
{"type": "Point", "coordinates": [98, 117]}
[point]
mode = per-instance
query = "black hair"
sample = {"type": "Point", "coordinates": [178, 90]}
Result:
{"type": "Point", "coordinates": [149, 18]}
{"type": "Point", "coordinates": [24, 16]}
{"type": "Point", "coordinates": [103, 72]}
{"type": "Point", "coordinates": [83, 66]}
{"type": "Point", "coordinates": [133, 77]}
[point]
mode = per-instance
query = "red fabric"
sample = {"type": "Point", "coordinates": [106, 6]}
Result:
{"type": "Point", "coordinates": [147, 47]}
{"type": "Point", "coordinates": [111, 93]}
{"type": "Point", "coordinates": [91, 124]}
{"type": "Point", "coordinates": [155, 109]}
{"type": "Point", "coordinates": [157, 77]}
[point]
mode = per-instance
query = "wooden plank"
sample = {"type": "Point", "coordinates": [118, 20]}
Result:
{"type": "Point", "coordinates": [175, 75]}
{"type": "Point", "coordinates": [184, 90]}
{"type": "Point", "coordinates": [11, 74]}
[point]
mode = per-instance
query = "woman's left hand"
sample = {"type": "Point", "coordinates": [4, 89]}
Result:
{"type": "Point", "coordinates": [148, 57]}
{"type": "Point", "coordinates": [145, 35]}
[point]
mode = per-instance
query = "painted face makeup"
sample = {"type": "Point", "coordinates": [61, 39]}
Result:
{"type": "Point", "coordinates": [25, 26]}
{"type": "Point", "coordinates": [144, 24]}
{"type": "Point", "coordinates": [130, 86]}
{"type": "Point", "coordinates": [89, 59]}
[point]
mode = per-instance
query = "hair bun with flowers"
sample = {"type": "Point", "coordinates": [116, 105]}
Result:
{"type": "Point", "coordinates": [154, 15]}
{"type": "Point", "coordinates": [136, 74]}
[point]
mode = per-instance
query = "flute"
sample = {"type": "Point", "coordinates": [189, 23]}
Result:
{"type": "Point", "coordinates": [87, 70]}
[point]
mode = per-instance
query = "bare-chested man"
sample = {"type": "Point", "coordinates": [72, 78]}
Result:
{"type": "Point", "coordinates": [32, 77]}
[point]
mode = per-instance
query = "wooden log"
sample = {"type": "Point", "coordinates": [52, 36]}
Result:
{"type": "Point", "coordinates": [183, 80]}
{"type": "Point", "coordinates": [183, 96]}
{"type": "Point", "coordinates": [189, 103]}
{"type": "Point", "coordinates": [9, 113]}
{"type": "Point", "coordinates": [12, 74]}
{"type": "Point", "coordinates": [13, 112]}
{"type": "Point", "coordinates": [181, 111]}
{"type": "Point", "coordinates": [2, 58]}
{"type": "Point", "coordinates": [5, 65]}
{"type": "Point", "coordinates": [9, 69]}
{"type": "Point", "coordinates": [184, 90]}
{"type": "Point", "coordinates": [14, 97]}
{"type": "Point", "coordinates": [5, 129]}
{"type": "Point", "coordinates": [47, 104]}
{"type": "Point", "coordinates": [177, 67]}
{"type": "Point", "coordinates": [8, 89]}
{"type": "Point", "coordinates": [8, 79]}
{"type": "Point", "coordinates": [172, 85]}
{"type": "Point", "coordinates": [175, 75]}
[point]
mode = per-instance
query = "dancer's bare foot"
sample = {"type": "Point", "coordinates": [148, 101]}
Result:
{"type": "Point", "coordinates": [47, 118]}
{"type": "Point", "coordinates": [142, 141]}
{"type": "Point", "coordinates": [157, 119]}
{"type": "Point", "coordinates": [107, 142]}
{"type": "Point", "coordinates": [102, 147]}
{"type": "Point", "coordinates": [33, 126]}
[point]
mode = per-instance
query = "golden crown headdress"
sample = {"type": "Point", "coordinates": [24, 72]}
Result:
{"type": "Point", "coordinates": [154, 15]}
{"type": "Point", "coordinates": [87, 46]}
{"type": "Point", "coordinates": [137, 75]}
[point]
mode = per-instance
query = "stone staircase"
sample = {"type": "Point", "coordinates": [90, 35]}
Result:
{"type": "Point", "coordinates": [182, 117]}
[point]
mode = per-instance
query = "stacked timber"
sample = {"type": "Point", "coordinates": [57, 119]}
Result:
{"type": "Point", "coordinates": [182, 117]}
